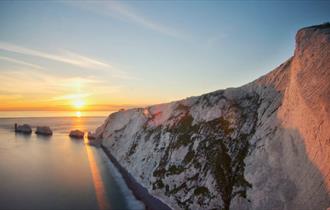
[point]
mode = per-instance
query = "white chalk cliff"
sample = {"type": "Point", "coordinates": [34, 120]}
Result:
{"type": "Point", "coordinates": [262, 146]}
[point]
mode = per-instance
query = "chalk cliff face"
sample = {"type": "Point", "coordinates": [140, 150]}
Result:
{"type": "Point", "coordinates": [265, 145]}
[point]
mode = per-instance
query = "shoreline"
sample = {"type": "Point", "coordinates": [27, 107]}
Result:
{"type": "Point", "coordinates": [140, 192]}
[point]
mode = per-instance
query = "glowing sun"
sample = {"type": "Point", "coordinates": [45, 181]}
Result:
{"type": "Point", "coordinates": [78, 114]}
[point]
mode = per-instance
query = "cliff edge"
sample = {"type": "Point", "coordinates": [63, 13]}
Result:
{"type": "Point", "coordinates": [265, 145]}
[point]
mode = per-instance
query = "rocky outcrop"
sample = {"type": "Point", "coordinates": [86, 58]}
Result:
{"type": "Point", "coordinates": [265, 145]}
{"type": "Point", "coordinates": [93, 140]}
{"type": "Point", "coordinates": [25, 129]}
{"type": "Point", "coordinates": [44, 130]}
{"type": "Point", "coordinates": [77, 134]}
{"type": "Point", "coordinates": [91, 136]}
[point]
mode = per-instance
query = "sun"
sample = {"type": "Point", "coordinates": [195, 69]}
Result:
{"type": "Point", "coordinates": [78, 104]}
{"type": "Point", "coordinates": [78, 114]}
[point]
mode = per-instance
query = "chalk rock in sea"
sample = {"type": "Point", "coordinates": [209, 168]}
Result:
{"type": "Point", "coordinates": [44, 130]}
{"type": "Point", "coordinates": [25, 128]}
{"type": "Point", "coordinates": [91, 136]}
{"type": "Point", "coordinates": [93, 139]}
{"type": "Point", "coordinates": [78, 134]}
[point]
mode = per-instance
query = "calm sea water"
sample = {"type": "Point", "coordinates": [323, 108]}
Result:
{"type": "Point", "coordinates": [58, 172]}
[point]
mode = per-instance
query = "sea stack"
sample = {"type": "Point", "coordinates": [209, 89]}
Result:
{"type": "Point", "coordinates": [44, 130]}
{"type": "Point", "coordinates": [93, 139]}
{"type": "Point", "coordinates": [77, 134]}
{"type": "Point", "coordinates": [91, 136]}
{"type": "Point", "coordinates": [25, 129]}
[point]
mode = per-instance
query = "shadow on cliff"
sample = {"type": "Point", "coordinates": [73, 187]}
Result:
{"type": "Point", "coordinates": [282, 170]}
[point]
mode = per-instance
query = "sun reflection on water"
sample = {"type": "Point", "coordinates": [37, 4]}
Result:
{"type": "Point", "coordinates": [97, 178]}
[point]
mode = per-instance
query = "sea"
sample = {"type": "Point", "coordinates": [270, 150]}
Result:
{"type": "Point", "coordinates": [58, 172]}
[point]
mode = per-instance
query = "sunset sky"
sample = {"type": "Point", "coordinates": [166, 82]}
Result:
{"type": "Point", "coordinates": [72, 55]}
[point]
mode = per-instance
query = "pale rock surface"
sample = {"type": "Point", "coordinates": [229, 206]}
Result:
{"type": "Point", "coordinates": [263, 146]}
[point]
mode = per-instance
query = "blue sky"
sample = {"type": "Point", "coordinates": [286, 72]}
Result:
{"type": "Point", "coordinates": [142, 52]}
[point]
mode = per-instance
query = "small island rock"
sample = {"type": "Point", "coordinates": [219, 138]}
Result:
{"type": "Point", "coordinates": [78, 134]}
{"type": "Point", "coordinates": [93, 139]}
{"type": "Point", "coordinates": [44, 130]}
{"type": "Point", "coordinates": [25, 128]}
{"type": "Point", "coordinates": [91, 136]}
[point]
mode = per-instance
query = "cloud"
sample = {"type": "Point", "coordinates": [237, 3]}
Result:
{"type": "Point", "coordinates": [68, 57]}
{"type": "Point", "coordinates": [83, 61]}
{"type": "Point", "coordinates": [30, 83]}
{"type": "Point", "coordinates": [41, 86]}
{"type": "Point", "coordinates": [23, 63]}
{"type": "Point", "coordinates": [70, 96]}
{"type": "Point", "coordinates": [123, 12]}
{"type": "Point", "coordinates": [131, 15]}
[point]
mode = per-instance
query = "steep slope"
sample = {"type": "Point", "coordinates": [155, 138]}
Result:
{"type": "Point", "coordinates": [262, 146]}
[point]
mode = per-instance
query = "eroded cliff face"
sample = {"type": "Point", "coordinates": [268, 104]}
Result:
{"type": "Point", "coordinates": [262, 146]}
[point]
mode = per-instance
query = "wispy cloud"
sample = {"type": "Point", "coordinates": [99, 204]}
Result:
{"type": "Point", "coordinates": [20, 62]}
{"type": "Point", "coordinates": [131, 15]}
{"type": "Point", "coordinates": [43, 87]}
{"type": "Point", "coordinates": [126, 13]}
{"type": "Point", "coordinates": [28, 83]}
{"type": "Point", "coordinates": [70, 96]}
{"type": "Point", "coordinates": [67, 57]}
